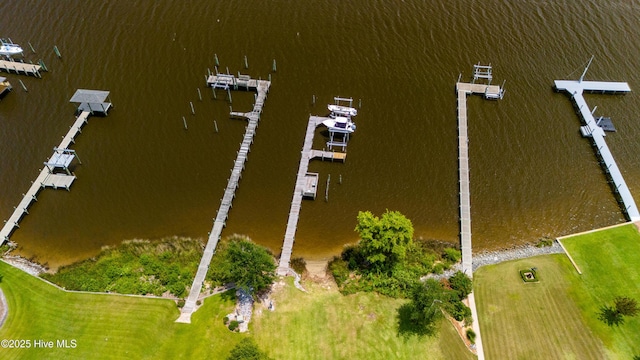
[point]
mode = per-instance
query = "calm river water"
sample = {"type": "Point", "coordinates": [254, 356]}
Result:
{"type": "Point", "coordinates": [144, 176]}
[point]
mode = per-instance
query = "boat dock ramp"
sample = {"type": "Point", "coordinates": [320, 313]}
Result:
{"type": "Point", "coordinates": [593, 129]}
{"type": "Point", "coordinates": [227, 82]}
{"type": "Point", "coordinates": [50, 175]}
{"type": "Point", "coordinates": [306, 185]}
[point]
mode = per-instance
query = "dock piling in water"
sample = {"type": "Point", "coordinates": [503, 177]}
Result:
{"type": "Point", "coordinates": [199, 94]}
{"type": "Point", "coordinates": [215, 124]}
{"type": "Point", "coordinates": [23, 86]}
{"type": "Point", "coordinates": [184, 121]}
{"type": "Point", "coordinates": [215, 58]}
{"type": "Point", "coordinates": [246, 63]}
{"type": "Point", "coordinates": [31, 46]}
{"type": "Point", "coordinates": [55, 49]}
{"type": "Point", "coordinates": [193, 111]}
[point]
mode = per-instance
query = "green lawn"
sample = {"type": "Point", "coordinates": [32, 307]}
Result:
{"type": "Point", "coordinates": [321, 324]}
{"type": "Point", "coordinates": [106, 326]}
{"type": "Point", "coordinates": [532, 320]}
{"type": "Point", "coordinates": [610, 265]}
{"type": "Point", "coordinates": [324, 324]}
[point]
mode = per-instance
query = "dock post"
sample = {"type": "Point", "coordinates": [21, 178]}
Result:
{"type": "Point", "coordinates": [273, 67]}
{"type": "Point", "coordinates": [55, 49]}
{"type": "Point", "coordinates": [215, 123]}
{"type": "Point", "coordinates": [23, 86]}
{"type": "Point", "coordinates": [340, 179]}
{"type": "Point", "coordinates": [269, 77]}
{"type": "Point", "coordinates": [359, 103]}
{"type": "Point", "coordinates": [193, 111]}
{"type": "Point", "coordinates": [31, 46]}
{"type": "Point", "coordinates": [215, 58]}
{"type": "Point", "coordinates": [326, 192]}
{"type": "Point", "coordinates": [185, 123]}
{"type": "Point", "coordinates": [229, 96]}
{"type": "Point", "coordinates": [214, 92]}
{"type": "Point", "coordinates": [313, 100]}
{"type": "Point", "coordinates": [199, 94]}
{"type": "Point", "coordinates": [246, 63]}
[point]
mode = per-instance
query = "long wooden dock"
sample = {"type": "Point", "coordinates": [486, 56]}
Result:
{"type": "Point", "coordinates": [20, 68]}
{"type": "Point", "coordinates": [592, 130]}
{"type": "Point", "coordinates": [262, 88]}
{"type": "Point", "coordinates": [492, 92]}
{"type": "Point", "coordinates": [307, 155]}
{"type": "Point", "coordinates": [44, 179]}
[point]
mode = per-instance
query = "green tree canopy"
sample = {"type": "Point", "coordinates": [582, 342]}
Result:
{"type": "Point", "coordinates": [384, 241]}
{"type": "Point", "coordinates": [244, 263]}
{"type": "Point", "coordinates": [461, 284]}
{"type": "Point", "coordinates": [247, 349]}
{"type": "Point", "coordinates": [427, 298]}
{"type": "Point", "coordinates": [626, 306]}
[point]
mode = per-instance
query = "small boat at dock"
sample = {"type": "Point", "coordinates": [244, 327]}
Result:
{"type": "Point", "coordinates": [340, 124]}
{"type": "Point", "coordinates": [10, 49]}
{"type": "Point", "coordinates": [339, 110]}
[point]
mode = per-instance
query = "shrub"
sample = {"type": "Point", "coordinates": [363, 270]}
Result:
{"type": "Point", "coordinates": [298, 265]}
{"type": "Point", "coordinates": [198, 302]}
{"type": "Point", "coordinates": [544, 242]}
{"type": "Point", "coordinates": [339, 270]}
{"type": "Point", "coordinates": [459, 310]}
{"type": "Point", "coordinates": [233, 325]}
{"type": "Point", "coordinates": [452, 255]}
{"type": "Point", "coordinates": [438, 268]}
{"type": "Point", "coordinates": [181, 303]}
{"type": "Point", "coordinates": [471, 335]}
{"type": "Point", "coordinates": [225, 321]}
{"type": "Point", "coordinates": [461, 284]}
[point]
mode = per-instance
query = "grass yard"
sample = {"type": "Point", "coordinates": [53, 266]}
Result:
{"type": "Point", "coordinates": [610, 265]}
{"type": "Point", "coordinates": [533, 320]}
{"type": "Point", "coordinates": [323, 324]}
{"type": "Point", "coordinates": [106, 326]}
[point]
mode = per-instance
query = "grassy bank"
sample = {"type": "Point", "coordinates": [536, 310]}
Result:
{"type": "Point", "coordinates": [610, 265]}
{"type": "Point", "coordinates": [135, 267]}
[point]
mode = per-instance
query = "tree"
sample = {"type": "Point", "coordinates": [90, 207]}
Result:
{"type": "Point", "coordinates": [461, 284]}
{"type": "Point", "coordinates": [626, 306]}
{"type": "Point", "coordinates": [244, 263]}
{"type": "Point", "coordinates": [610, 316]}
{"type": "Point", "coordinates": [247, 349]}
{"type": "Point", "coordinates": [419, 316]}
{"type": "Point", "coordinates": [384, 241]}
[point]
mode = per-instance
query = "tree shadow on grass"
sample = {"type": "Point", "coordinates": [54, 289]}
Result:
{"type": "Point", "coordinates": [408, 326]}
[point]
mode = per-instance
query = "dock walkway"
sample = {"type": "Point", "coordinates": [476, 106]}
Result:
{"type": "Point", "coordinates": [591, 129]}
{"type": "Point", "coordinates": [262, 88]}
{"type": "Point", "coordinates": [307, 154]}
{"type": "Point", "coordinates": [44, 179]}
{"type": "Point", "coordinates": [20, 68]}
{"type": "Point", "coordinates": [492, 92]}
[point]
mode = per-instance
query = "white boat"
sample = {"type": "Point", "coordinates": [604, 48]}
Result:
{"type": "Point", "coordinates": [342, 110]}
{"type": "Point", "coordinates": [340, 124]}
{"type": "Point", "coordinates": [9, 49]}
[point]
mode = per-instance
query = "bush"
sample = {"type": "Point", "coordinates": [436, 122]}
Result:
{"type": "Point", "coordinates": [438, 268]}
{"type": "Point", "coordinates": [461, 284]}
{"type": "Point", "coordinates": [452, 255]}
{"type": "Point", "coordinates": [233, 325]}
{"type": "Point", "coordinates": [339, 269]}
{"type": "Point", "coordinates": [298, 265]}
{"type": "Point", "coordinates": [181, 303]}
{"type": "Point", "coordinates": [459, 310]}
{"type": "Point", "coordinates": [544, 242]}
{"type": "Point", "coordinates": [225, 321]}
{"type": "Point", "coordinates": [198, 302]}
{"type": "Point", "coordinates": [247, 349]}
{"type": "Point", "coordinates": [471, 335]}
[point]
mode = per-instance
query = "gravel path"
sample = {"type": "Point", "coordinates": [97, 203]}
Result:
{"type": "Point", "coordinates": [244, 308]}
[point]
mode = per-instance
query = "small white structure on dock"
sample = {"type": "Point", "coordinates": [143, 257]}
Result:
{"type": "Point", "coordinates": [591, 129]}
{"type": "Point", "coordinates": [5, 86]}
{"type": "Point", "coordinates": [93, 101]}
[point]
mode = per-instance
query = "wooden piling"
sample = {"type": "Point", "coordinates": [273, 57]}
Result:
{"type": "Point", "coordinates": [340, 179]}
{"type": "Point", "coordinates": [313, 100]}
{"type": "Point", "coordinates": [273, 67]}
{"type": "Point", "coordinates": [31, 46]}
{"type": "Point", "coordinates": [199, 94]}
{"type": "Point", "coordinates": [23, 86]}
{"type": "Point", "coordinates": [55, 49]}
{"type": "Point", "coordinates": [229, 96]}
{"type": "Point", "coordinates": [215, 57]}
{"type": "Point", "coordinates": [184, 121]}
{"type": "Point", "coordinates": [246, 63]}
{"type": "Point", "coordinates": [326, 192]}
{"type": "Point", "coordinates": [215, 123]}
{"type": "Point", "coordinates": [193, 111]}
